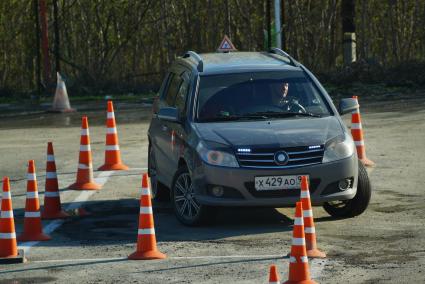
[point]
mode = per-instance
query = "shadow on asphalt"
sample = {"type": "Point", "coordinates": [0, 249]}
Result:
{"type": "Point", "coordinates": [116, 221]}
{"type": "Point", "coordinates": [56, 266]}
{"type": "Point", "coordinates": [208, 264]}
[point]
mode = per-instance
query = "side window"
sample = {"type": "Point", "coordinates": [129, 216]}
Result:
{"type": "Point", "coordinates": [164, 84]}
{"type": "Point", "coordinates": [173, 86]}
{"type": "Point", "coordinates": [180, 101]}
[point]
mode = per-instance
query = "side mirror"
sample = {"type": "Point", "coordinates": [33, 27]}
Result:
{"type": "Point", "coordinates": [347, 106]}
{"type": "Point", "coordinates": [169, 114]}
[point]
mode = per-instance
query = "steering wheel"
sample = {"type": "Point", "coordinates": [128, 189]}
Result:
{"type": "Point", "coordinates": [293, 105]}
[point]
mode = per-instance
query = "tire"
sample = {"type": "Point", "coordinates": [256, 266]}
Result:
{"type": "Point", "coordinates": [159, 192]}
{"type": "Point", "coordinates": [357, 205]}
{"type": "Point", "coordinates": [193, 213]}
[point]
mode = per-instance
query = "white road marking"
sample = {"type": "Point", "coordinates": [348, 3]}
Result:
{"type": "Point", "coordinates": [138, 169]}
{"type": "Point", "coordinates": [82, 197]}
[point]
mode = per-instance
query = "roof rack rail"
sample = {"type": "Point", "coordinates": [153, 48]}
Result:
{"type": "Point", "coordinates": [280, 52]}
{"type": "Point", "coordinates": [197, 57]}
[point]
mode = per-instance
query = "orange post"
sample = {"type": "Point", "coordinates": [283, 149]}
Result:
{"type": "Point", "coordinates": [52, 203]}
{"type": "Point", "coordinates": [146, 239]}
{"type": "Point", "coordinates": [112, 151]}
{"type": "Point", "coordinates": [85, 180]}
{"type": "Point", "coordinates": [298, 260]}
{"type": "Point", "coordinates": [309, 228]}
{"type": "Point", "coordinates": [357, 133]}
{"type": "Point", "coordinates": [33, 229]}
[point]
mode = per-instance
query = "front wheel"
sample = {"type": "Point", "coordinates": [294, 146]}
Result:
{"type": "Point", "coordinates": [355, 206]}
{"type": "Point", "coordinates": [187, 209]}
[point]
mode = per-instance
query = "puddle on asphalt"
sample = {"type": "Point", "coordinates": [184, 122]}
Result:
{"type": "Point", "coordinates": [59, 120]}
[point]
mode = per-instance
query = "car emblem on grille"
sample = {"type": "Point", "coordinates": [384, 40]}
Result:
{"type": "Point", "coordinates": [281, 158]}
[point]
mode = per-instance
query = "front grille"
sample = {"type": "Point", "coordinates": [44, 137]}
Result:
{"type": "Point", "coordinates": [264, 158]}
{"type": "Point", "coordinates": [314, 184]}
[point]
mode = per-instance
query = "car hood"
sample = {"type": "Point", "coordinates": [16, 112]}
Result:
{"type": "Point", "coordinates": [272, 133]}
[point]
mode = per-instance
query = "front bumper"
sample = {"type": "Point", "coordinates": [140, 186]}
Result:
{"type": "Point", "coordinates": [239, 187]}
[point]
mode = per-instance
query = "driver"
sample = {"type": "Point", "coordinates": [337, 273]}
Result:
{"type": "Point", "coordinates": [283, 101]}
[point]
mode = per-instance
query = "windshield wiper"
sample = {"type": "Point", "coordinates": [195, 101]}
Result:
{"type": "Point", "coordinates": [285, 114]}
{"type": "Point", "coordinates": [234, 117]}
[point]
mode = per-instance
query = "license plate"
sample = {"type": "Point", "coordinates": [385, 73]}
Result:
{"type": "Point", "coordinates": [277, 182]}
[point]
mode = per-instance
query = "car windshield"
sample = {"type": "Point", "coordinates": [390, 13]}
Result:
{"type": "Point", "coordinates": [262, 95]}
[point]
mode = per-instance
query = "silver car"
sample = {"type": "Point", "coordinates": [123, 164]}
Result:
{"type": "Point", "coordinates": [241, 128]}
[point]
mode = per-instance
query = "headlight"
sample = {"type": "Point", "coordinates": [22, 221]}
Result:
{"type": "Point", "coordinates": [338, 148]}
{"type": "Point", "coordinates": [216, 157]}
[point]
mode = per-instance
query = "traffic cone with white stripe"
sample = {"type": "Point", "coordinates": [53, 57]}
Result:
{"type": "Point", "coordinates": [146, 240]}
{"type": "Point", "coordinates": [8, 245]}
{"type": "Point", "coordinates": [274, 275]}
{"type": "Point", "coordinates": [298, 260]}
{"type": "Point", "coordinates": [112, 151]}
{"type": "Point", "coordinates": [357, 133]}
{"type": "Point", "coordinates": [85, 180]}
{"type": "Point", "coordinates": [309, 228]}
{"type": "Point", "coordinates": [33, 229]}
{"type": "Point", "coordinates": [52, 203]}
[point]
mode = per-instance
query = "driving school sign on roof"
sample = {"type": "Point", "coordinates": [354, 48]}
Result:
{"type": "Point", "coordinates": [226, 45]}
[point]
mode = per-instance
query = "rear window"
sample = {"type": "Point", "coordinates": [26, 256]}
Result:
{"type": "Point", "coordinates": [248, 93]}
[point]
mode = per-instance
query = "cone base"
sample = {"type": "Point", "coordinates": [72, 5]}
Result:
{"type": "Point", "coordinates": [300, 282]}
{"type": "Point", "coordinates": [147, 255]}
{"type": "Point", "coordinates": [54, 215]}
{"type": "Point", "coordinates": [20, 258]}
{"type": "Point", "coordinates": [315, 253]}
{"type": "Point", "coordinates": [33, 237]}
{"type": "Point", "coordinates": [367, 163]}
{"type": "Point", "coordinates": [113, 167]}
{"type": "Point", "coordinates": [85, 186]}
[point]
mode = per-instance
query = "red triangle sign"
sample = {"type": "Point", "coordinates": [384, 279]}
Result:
{"type": "Point", "coordinates": [226, 45]}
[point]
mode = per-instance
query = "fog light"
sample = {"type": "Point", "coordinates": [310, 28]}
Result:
{"type": "Point", "coordinates": [217, 191]}
{"type": "Point", "coordinates": [344, 184]}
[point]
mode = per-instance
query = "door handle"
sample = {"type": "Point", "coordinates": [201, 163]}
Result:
{"type": "Point", "coordinates": [164, 127]}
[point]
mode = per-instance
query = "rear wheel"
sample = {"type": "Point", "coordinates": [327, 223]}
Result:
{"type": "Point", "coordinates": [159, 192]}
{"type": "Point", "coordinates": [187, 209]}
{"type": "Point", "coordinates": [355, 206]}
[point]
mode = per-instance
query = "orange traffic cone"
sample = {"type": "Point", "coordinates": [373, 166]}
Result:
{"type": "Point", "coordinates": [33, 229]}
{"type": "Point", "coordinates": [52, 203]}
{"type": "Point", "coordinates": [85, 180]}
{"type": "Point", "coordinates": [8, 245]}
{"type": "Point", "coordinates": [112, 151]}
{"type": "Point", "coordinates": [309, 229]}
{"type": "Point", "coordinates": [273, 275]}
{"type": "Point", "coordinates": [146, 240]}
{"type": "Point", "coordinates": [9, 252]}
{"type": "Point", "coordinates": [298, 260]}
{"type": "Point", "coordinates": [61, 100]}
{"type": "Point", "coordinates": [357, 133]}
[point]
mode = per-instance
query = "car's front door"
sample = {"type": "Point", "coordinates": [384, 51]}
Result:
{"type": "Point", "coordinates": [164, 138]}
{"type": "Point", "coordinates": [178, 133]}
